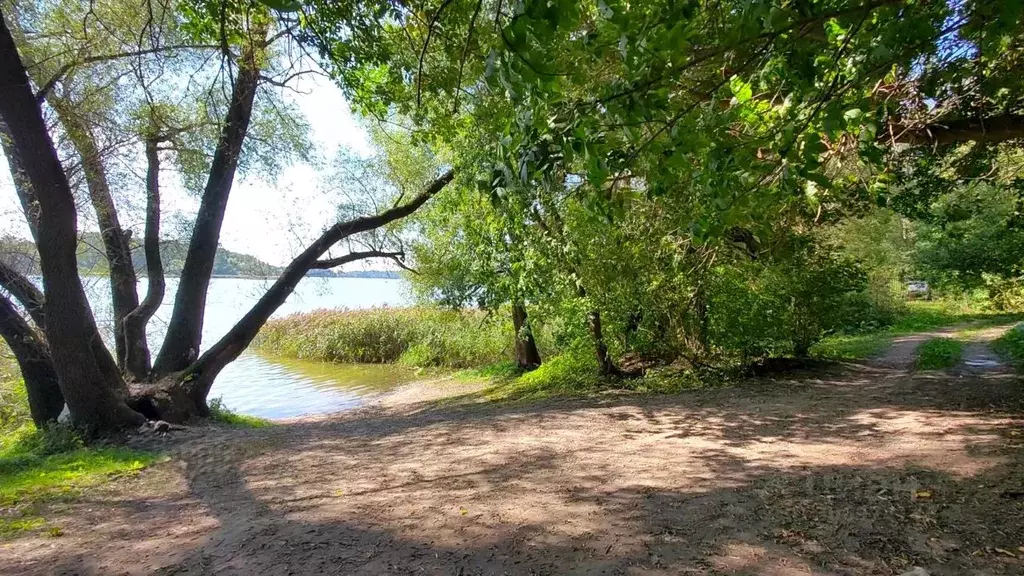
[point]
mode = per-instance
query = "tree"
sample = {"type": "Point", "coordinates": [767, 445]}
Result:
{"type": "Point", "coordinates": [175, 387]}
{"type": "Point", "coordinates": [466, 253]}
{"type": "Point", "coordinates": [741, 119]}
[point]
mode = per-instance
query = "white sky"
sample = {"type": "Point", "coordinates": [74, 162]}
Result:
{"type": "Point", "coordinates": [272, 221]}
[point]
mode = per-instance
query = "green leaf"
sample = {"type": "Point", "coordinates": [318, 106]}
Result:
{"type": "Point", "coordinates": [282, 5]}
{"type": "Point", "coordinates": [741, 90]}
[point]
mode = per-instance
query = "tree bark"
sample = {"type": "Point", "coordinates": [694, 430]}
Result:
{"type": "Point", "coordinates": [25, 292]}
{"type": "Point", "coordinates": [123, 295]}
{"type": "Point", "coordinates": [45, 400]}
{"type": "Point", "coordinates": [182, 395]}
{"type": "Point", "coordinates": [992, 129]}
{"type": "Point", "coordinates": [604, 361]}
{"type": "Point", "coordinates": [527, 355]}
{"type": "Point", "coordinates": [185, 329]}
{"type": "Point", "coordinates": [21, 184]}
{"type": "Point", "coordinates": [95, 398]}
{"type": "Point", "coordinates": [137, 362]}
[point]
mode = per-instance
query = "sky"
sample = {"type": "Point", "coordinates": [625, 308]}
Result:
{"type": "Point", "coordinates": [270, 220]}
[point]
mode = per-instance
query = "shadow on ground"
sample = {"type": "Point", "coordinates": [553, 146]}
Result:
{"type": "Point", "coordinates": [867, 470]}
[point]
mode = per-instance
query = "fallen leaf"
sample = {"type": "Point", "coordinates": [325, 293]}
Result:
{"type": "Point", "coordinates": [463, 511]}
{"type": "Point", "coordinates": [1006, 552]}
{"type": "Point", "coordinates": [339, 492]}
{"type": "Point", "coordinates": [923, 494]}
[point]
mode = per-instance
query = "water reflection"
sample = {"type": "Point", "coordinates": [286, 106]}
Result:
{"type": "Point", "coordinates": [273, 387]}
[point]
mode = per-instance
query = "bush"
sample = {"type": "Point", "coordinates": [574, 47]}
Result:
{"type": "Point", "coordinates": [13, 399]}
{"type": "Point", "coordinates": [418, 336]}
{"type": "Point", "coordinates": [1005, 294]}
{"type": "Point", "coordinates": [781, 308]}
{"type": "Point", "coordinates": [939, 353]}
{"type": "Point", "coordinates": [1010, 346]}
{"type": "Point", "coordinates": [567, 374]}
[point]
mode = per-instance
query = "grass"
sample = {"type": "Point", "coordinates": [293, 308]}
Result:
{"type": "Point", "coordinates": [939, 354]}
{"type": "Point", "coordinates": [1010, 347]}
{"type": "Point", "coordinates": [419, 336]}
{"type": "Point", "coordinates": [920, 316]}
{"type": "Point", "coordinates": [40, 467]}
{"type": "Point", "coordinates": [220, 413]}
{"type": "Point", "coordinates": [571, 374]}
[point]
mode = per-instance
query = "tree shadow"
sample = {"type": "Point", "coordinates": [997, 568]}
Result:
{"type": "Point", "coordinates": [863, 471]}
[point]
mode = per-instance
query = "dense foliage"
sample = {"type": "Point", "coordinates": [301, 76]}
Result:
{"type": "Point", "coordinates": [701, 180]}
{"type": "Point", "coordinates": [639, 182]}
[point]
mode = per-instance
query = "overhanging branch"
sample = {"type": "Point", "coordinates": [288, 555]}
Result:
{"type": "Point", "coordinates": [354, 257]}
{"type": "Point", "coordinates": [41, 95]}
{"type": "Point", "coordinates": [993, 129]}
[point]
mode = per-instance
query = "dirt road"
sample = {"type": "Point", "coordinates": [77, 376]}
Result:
{"type": "Point", "coordinates": [870, 469]}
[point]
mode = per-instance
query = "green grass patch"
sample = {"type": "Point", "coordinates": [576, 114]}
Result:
{"type": "Point", "coordinates": [1010, 347]}
{"type": "Point", "coordinates": [852, 346]}
{"type": "Point", "coordinates": [565, 375]}
{"type": "Point", "coordinates": [919, 316]}
{"type": "Point", "coordinates": [43, 466]}
{"type": "Point", "coordinates": [38, 467]}
{"type": "Point", "coordinates": [220, 413]}
{"type": "Point", "coordinates": [939, 354]}
{"type": "Point", "coordinates": [420, 336]}
{"type": "Point", "coordinates": [574, 374]}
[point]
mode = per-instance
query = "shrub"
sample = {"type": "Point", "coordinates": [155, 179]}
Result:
{"type": "Point", "coordinates": [780, 308]}
{"type": "Point", "coordinates": [1005, 294]}
{"type": "Point", "coordinates": [1011, 347]}
{"type": "Point", "coordinates": [939, 353]}
{"type": "Point", "coordinates": [13, 400]}
{"type": "Point", "coordinates": [567, 374]}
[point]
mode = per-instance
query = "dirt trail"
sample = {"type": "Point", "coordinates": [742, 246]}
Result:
{"type": "Point", "coordinates": [870, 469]}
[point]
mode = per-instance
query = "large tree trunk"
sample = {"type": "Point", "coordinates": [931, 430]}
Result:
{"type": "Point", "coordinates": [527, 355]}
{"type": "Point", "coordinates": [25, 292]}
{"type": "Point", "coordinates": [185, 329]}
{"type": "Point", "coordinates": [21, 183]}
{"type": "Point", "coordinates": [120, 268]}
{"type": "Point", "coordinates": [137, 362]}
{"type": "Point", "coordinates": [45, 400]}
{"type": "Point", "coordinates": [182, 395]}
{"type": "Point", "coordinates": [604, 361]}
{"type": "Point", "coordinates": [95, 398]}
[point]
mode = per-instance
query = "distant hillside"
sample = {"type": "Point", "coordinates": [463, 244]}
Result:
{"type": "Point", "coordinates": [92, 261]}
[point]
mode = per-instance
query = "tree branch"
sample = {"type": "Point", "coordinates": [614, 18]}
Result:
{"type": "Point", "coordinates": [206, 368]}
{"type": "Point", "coordinates": [993, 129]}
{"type": "Point", "coordinates": [426, 44]}
{"type": "Point", "coordinates": [353, 257]}
{"type": "Point", "coordinates": [25, 292]}
{"type": "Point", "coordinates": [41, 95]}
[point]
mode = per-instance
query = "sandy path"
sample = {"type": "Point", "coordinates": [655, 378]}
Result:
{"type": "Point", "coordinates": [868, 470]}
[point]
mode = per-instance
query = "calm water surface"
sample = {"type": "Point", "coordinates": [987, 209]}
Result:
{"type": "Point", "coordinates": [268, 386]}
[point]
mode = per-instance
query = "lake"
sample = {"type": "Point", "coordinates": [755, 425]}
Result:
{"type": "Point", "coordinates": [266, 386]}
